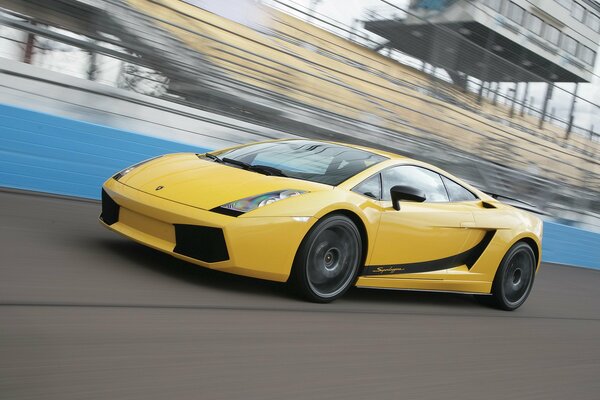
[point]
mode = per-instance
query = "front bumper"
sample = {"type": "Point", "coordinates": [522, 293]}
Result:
{"type": "Point", "coordinates": [260, 247]}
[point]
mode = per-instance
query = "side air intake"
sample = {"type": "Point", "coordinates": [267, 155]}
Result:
{"type": "Point", "coordinates": [201, 242]}
{"type": "Point", "coordinates": [110, 209]}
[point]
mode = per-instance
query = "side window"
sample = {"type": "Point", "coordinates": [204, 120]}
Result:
{"type": "Point", "coordinates": [370, 187]}
{"type": "Point", "coordinates": [428, 181]}
{"type": "Point", "coordinates": [457, 192]}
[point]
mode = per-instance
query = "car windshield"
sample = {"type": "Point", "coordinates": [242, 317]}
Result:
{"type": "Point", "coordinates": [321, 162]}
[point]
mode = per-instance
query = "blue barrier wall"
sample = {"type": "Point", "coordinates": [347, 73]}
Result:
{"type": "Point", "coordinates": [58, 155]}
{"type": "Point", "coordinates": [563, 244]}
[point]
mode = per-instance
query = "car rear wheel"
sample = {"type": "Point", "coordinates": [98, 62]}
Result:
{"type": "Point", "coordinates": [514, 279]}
{"type": "Point", "coordinates": [328, 259]}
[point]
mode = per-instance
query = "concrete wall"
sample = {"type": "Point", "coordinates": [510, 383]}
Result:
{"type": "Point", "coordinates": [34, 88]}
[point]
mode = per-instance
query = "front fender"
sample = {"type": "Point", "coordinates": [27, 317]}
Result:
{"type": "Point", "coordinates": [317, 205]}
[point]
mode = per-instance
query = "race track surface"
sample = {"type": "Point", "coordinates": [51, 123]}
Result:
{"type": "Point", "coordinates": [86, 314]}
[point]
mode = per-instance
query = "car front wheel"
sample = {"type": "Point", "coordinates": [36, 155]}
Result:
{"type": "Point", "coordinates": [328, 259]}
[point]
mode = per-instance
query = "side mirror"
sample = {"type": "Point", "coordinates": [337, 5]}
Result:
{"type": "Point", "coordinates": [406, 193]}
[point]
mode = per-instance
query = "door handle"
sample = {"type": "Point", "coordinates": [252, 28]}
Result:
{"type": "Point", "coordinates": [467, 224]}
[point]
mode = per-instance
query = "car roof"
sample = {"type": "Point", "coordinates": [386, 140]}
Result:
{"type": "Point", "coordinates": [412, 161]}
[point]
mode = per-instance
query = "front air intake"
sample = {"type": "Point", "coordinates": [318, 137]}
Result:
{"type": "Point", "coordinates": [203, 243]}
{"type": "Point", "coordinates": [110, 209]}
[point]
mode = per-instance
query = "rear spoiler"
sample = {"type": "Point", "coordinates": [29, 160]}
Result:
{"type": "Point", "coordinates": [517, 203]}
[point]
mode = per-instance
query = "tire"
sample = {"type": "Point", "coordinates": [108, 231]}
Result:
{"type": "Point", "coordinates": [328, 260]}
{"type": "Point", "coordinates": [514, 279]}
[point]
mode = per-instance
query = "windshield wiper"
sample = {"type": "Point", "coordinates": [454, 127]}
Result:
{"type": "Point", "coordinates": [261, 169]}
{"type": "Point", "coordinates": [235, 162]}
{"type": "Point", "coordinates": [267, 170]}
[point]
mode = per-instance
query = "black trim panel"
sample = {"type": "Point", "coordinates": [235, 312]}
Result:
{"type": "Point", "coordinates": [110, 209]}
{"type": "Point", "coordinates": [468, 258]}
{"type": "Point", "coordinates": [227, 211]}
{"type": "Point", "coordinates": [203, 243]}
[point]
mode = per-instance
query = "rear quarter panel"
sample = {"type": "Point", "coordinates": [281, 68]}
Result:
{"type": "Point", "coordinates": [512, 225]}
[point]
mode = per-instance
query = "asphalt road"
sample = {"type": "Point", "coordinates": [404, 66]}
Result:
{"type": "Point", "coordinates": [86, 314]}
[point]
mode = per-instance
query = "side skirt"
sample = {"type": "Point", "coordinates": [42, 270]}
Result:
{"type": "Point", "coordinates": [437, 285]}
{"type": "Point", "coordinates": [424, 290]}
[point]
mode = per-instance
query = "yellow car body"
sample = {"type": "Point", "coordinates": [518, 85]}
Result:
{"type": "Point", "coordinates": [169, 204]}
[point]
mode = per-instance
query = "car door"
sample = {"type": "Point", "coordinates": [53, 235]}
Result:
{"type": "Point", "coordinates": [421, 240]}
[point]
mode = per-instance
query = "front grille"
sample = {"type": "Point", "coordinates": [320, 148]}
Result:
{"type": "Point", "coordinates": [203, 243]}
{"type": "Point", "coordinates": [110, 209]}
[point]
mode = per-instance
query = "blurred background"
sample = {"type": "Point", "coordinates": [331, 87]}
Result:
{"type": "Point", "coordinates": [504, 94]}
{"type": "Point", "coordinates": [501, 93]}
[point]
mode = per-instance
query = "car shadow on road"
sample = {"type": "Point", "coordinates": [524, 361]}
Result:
{"type": "Point", "coordinates": [139, 256]}
{"type": "Point", "coordinates": [410, 298]}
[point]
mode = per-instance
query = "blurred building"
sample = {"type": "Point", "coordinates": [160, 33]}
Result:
{"type": "Point", "coordinates": [499, 40]}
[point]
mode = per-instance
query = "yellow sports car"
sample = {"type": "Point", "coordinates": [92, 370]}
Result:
{"type": "Point", "coordinates": [325, 216]}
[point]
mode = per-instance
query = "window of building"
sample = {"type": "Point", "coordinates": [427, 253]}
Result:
{"type": "Point", "coordinates": [515, 13]}
{"type": "Point", "coordinates": [552, 34]}
{"type": "Point", "coordinates": [408, 175]}
{"type": "Point", "coordinates": [593, 21]}
{"type": "Point", "coordinates": [569, 45]}
{"type": "Point", "coordinates": [578, 12]}
{"type": "Point", "coordinates": [496, 5]}
{"type": "Point", "coordinates": [565, 3]}
{"type": "Point", "coordinates": [456, 192]}
{"type": "Point", "coordinates": [535, 24]}
{"type": "Point", "coordinates": [592, 57]}
{"type": "Point", "coordinates": [586, 54]}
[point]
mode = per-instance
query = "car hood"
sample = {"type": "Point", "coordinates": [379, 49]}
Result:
{"type": "Point", "coordinates": [188, 179]}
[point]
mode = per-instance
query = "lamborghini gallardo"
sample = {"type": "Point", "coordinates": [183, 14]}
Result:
{"type": "Point", "coordinates": [326, 216]}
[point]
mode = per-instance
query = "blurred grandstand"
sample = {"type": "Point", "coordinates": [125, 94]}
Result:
{"type": "Point", "coordinates": [435, 80]}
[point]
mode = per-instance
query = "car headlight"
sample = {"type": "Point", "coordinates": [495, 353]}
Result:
{"type": "Point", "coordinates": [253, 202]}
{"type": "Point", "coordinates": [127, 170]}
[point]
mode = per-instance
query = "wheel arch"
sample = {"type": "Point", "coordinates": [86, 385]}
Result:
{"type": "Point", "coordinates": [355, 218]}
{"type": "Point", "coordinates": [299, 279]}
{"type": "Point", "coordinates": [534, 246]}
{"type": "Point", "coordinates": [360, 225]}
